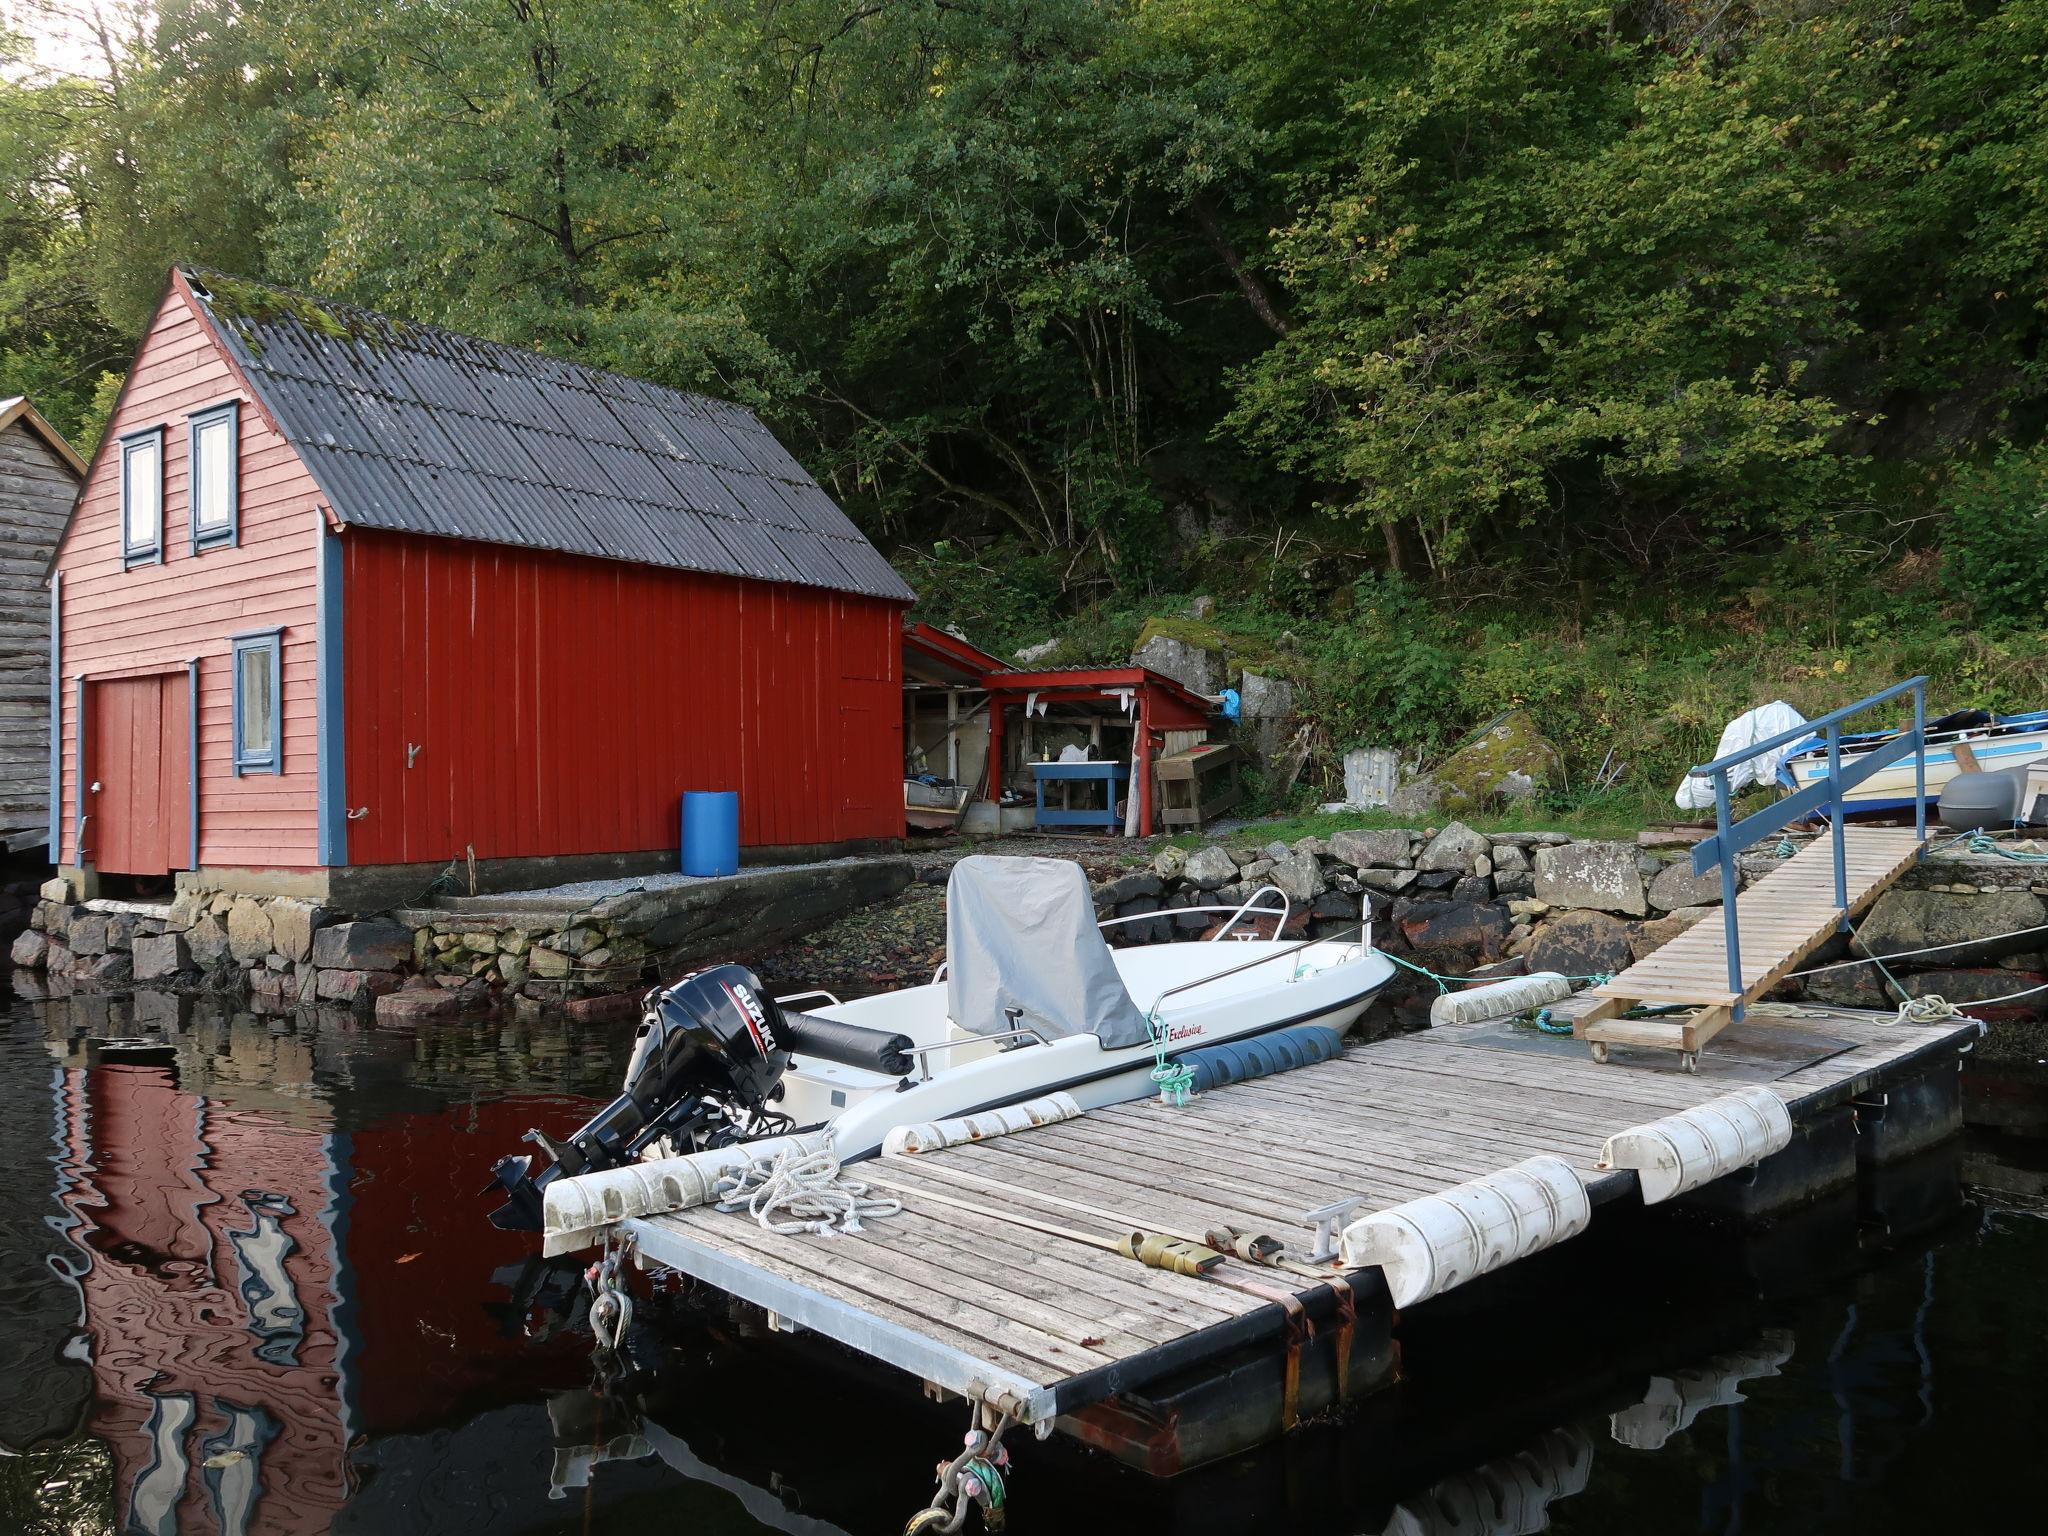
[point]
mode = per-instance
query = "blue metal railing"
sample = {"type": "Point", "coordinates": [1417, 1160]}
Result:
{"type": "Point", "coordinates": [1731, 837]}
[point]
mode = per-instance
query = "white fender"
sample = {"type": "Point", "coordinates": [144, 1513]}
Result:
{"type": "Point", "coordinates": [1698, 1145]}
{"type": "Point", "coordinates": [1428, 1245]}
{"type": "Point", "coordinates": [575, 1212]}
{"type": "Point", "coordinates": [934, 1134]}
{"type": "Point", "coordinates": [1500, 999]}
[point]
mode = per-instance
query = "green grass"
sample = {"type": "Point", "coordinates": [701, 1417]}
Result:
{"type": "Point", "coordinates": [1615, 817]}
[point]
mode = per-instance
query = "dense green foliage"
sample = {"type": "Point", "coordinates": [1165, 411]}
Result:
{"type": "Point", "coordinates": [1574, 352]}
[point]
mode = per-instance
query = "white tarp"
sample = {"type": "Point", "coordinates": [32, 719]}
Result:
{"type": "Point", "coordinates": [1758, 725]}
{"type": "Point", "coordinates": [1021, 935]}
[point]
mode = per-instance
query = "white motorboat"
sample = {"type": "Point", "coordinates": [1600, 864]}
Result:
{"type": "Point", "coordinates": [1968, 742]}
{"type": "Point", "coordinates": [1032, 1001]}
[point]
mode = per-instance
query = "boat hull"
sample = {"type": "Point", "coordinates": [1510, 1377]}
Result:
{"type": "Point", "coordinates": [1893, 787]}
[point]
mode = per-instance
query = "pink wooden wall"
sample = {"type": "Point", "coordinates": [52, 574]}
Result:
{"type": "Point", "coordinates": [155, 617]}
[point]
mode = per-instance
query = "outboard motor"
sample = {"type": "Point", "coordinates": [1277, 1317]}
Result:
{"type": "Point", "coordinates": [706, 1068]}
{"type": "Point", "coordinates": [707, 1063]}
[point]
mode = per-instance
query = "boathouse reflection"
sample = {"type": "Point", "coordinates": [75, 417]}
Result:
{"type": "Point", "coordinates": [254, 1273]}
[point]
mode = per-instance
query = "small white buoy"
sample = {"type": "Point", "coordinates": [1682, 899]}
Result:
{"type": "Point", "coordinates": [1500, 999]}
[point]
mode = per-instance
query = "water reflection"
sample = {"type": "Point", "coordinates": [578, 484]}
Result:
{"type": "Point", "coordinates": [246, 1286]}
{"type": "Point", "coordinates": [243, 1267]}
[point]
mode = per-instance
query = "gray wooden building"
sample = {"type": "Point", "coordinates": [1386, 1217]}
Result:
{"type": "Point", "coordinates": [39, 480]}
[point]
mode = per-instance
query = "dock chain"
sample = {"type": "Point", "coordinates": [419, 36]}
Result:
{"type": "Point", "coordinates": [611, 1304]}
{"type": "Point", "coordinates": [974, 1478]}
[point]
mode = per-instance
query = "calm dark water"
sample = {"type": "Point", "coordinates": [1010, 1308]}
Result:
{"type": "Point", "coordinates": [246, 1286]}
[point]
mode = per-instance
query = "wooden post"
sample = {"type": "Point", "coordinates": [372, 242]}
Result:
{"type": "Point", "coordinates": [1141, 770]}
{"type": "Point", "coordinates": [953, 734]}
{"type": "Point", "coordinates": [995, 746]}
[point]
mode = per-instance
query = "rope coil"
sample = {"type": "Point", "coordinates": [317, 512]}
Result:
{"type": "Point", "coordinates": [809, 1187]}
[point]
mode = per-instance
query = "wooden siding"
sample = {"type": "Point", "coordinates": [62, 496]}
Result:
{"type": "Point", "coordinates": [36, 491]}
{"type": "Point", "coordinates": [552, 704]}
{"type": "Point", "coordinates": [154, 617]}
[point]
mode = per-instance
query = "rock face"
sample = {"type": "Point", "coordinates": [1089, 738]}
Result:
{"type": "Point", "coordinates": [376, 945]}
{"type": "Point", "coordinates": [1675, 886]}
{"type": "Point", "coordinates": [291, 928]}
{"type": "Point", "coordinates": [1299, 876]}
{"type": "Point", "coordinates": [1418, 798]}
{"type": "Point", "coordinates": [1170, 862]}
{"type": "Point", "coordinates": [1454, 936]}
{"type": "Point", "coordinates": [1362, 850]}
{"type": "Point", "coordinates": [208, 941]}
{"type": "Point", "coordinates": [1457, 849]}
{"type": "Point", "coordinates": [1598, 875]}
{"type": "Point", "coordinates": [249, 934]}
{"type": "Point", "coordinates": [340, 986]}
{"type": "Point", "coordinates": [1211, 867]}
{"type": "Point", "coordinates": [30, 949]}
{"type": "Point", "coordinates": [1509, 761]}
{"type": "Point", "coordinates": [1192, 666]}
{"type": "Point", "coordinates": [1583, 943]}
{"type": "Point", "coordinates": [160, 955]}
{"type": "Point", "coordinates": [1906, 920]}
{"type": "Point", "coordinates": [1267, 713]}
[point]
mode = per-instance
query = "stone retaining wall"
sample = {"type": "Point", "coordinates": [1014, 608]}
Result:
{"type": "Point", "coordinates": [1459, 901]}
{"type": "Point", "coordinates": [591, 956]}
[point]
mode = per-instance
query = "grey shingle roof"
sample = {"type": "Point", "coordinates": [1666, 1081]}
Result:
{"type": "Point", "coordinates": [423, 430]}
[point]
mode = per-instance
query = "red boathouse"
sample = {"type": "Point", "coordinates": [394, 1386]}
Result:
{"type": "Point", "coordinates": [345, 599]}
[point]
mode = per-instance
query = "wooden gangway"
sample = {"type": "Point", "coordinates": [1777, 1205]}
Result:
{"type": "Point", "coordinates": [1718, 969]}
{"type": "Point", "coordinates": [1780, 920]}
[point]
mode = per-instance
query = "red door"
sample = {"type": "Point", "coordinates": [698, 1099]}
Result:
{"type": "Point", "coordinates": [138, 778]}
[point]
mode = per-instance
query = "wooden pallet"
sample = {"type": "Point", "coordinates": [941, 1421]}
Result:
{"type": "Point", "coordinates": [1780, 920]}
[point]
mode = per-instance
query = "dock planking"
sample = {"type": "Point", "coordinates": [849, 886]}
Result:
{"type": "Point", "coordinates": [996, 1279]}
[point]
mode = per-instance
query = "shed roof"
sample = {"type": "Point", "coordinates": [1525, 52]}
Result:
{"type": "Point", "coordinates": [15, 408]}
{"type": "Point", "coordinates": [422, 430]}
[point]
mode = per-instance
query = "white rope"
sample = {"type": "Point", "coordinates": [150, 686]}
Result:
{"type": "Point", "coordinates": [1930, 1008]}
{"type": "Point", "coordinates": [807, 1185]}
{"type": "Point", "coordinates": [1908, 954]}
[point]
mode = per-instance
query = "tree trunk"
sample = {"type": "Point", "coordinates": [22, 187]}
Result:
{"type": "Point", "coordinates": [1248, 282]}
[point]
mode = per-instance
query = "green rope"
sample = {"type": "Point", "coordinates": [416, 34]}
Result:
{"type": "Point", "coordinates": [1175, 1079]}
{"type": "Point", "coordinates": [991, 1481]}
{"type": "Point", "coordinates": [1785, 849]}
{"type": "Point", "coordinates": [1984, 842]}
{"type": "Point", "coordinates": [1541, 1019]}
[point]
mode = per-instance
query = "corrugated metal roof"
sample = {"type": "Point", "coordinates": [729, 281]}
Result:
{"type": "Point", "coordinates": [421, 430]}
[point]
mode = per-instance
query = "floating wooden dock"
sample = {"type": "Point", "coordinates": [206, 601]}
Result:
{"type": "Point", "coordinates": [1781, 919]}
{"type": "Point", "coordinates": [994, 1282]}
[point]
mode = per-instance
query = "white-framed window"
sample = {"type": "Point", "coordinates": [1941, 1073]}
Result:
{"type": "Point", "coordinates": [259, 711]}
{"type": "Point", "coordinates": [142, 496]}
{"type": "Point", "coordinates": [216, 475]}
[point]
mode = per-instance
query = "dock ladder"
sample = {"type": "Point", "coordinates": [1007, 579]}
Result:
{"type": "Point", "coordinates": [1768, 929]}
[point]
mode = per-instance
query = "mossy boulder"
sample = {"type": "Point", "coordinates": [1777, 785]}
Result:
{"type": "Point", "coordinates": [1203, 655]}
{"type": "Point", "coordinates": [1510, 760]}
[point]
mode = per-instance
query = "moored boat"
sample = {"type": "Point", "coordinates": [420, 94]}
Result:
{"type": "Point", "coordinates": [1031, 1002]}
{"type": "Point", "coordinates": [1967, 742]}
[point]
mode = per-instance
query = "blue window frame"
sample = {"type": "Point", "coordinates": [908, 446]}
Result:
{"type": "Point", "coordinates": [259, 711]}
{"type": "Point", "coordinates": [214, 438]}
{"type": "Point", "coordinates": [142, 497]}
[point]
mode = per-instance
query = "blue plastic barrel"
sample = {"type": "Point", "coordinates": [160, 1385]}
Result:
{"type": "Point", "coordinates": [711, 832]}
